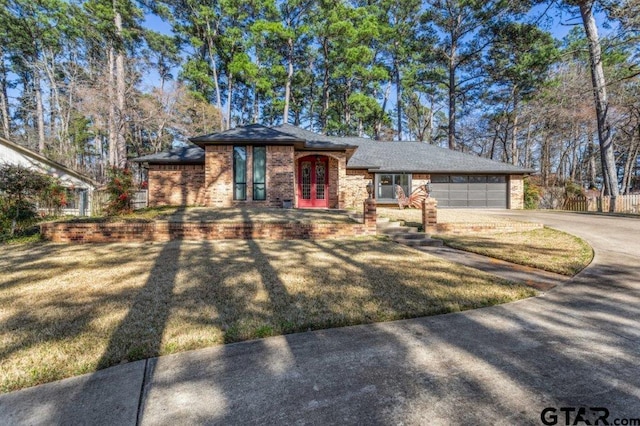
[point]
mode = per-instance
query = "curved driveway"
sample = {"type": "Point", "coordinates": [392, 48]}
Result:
{"type": "Point", "coordinates": [575, 346]}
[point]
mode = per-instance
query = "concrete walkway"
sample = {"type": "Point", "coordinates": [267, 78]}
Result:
{"type": "Point", "coordinates": [577, 345]}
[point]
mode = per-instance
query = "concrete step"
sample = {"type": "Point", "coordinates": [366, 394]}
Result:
{"type": "Point", "coordinates": [389, 224]}
{"type": "Point", "coordinates": [410, 235]}
{"type": "Point", "coordinates": [413, 242]}
{"type": "Point", "coordinates": [398, 230]}
{"type": "Point", "coordinates": [382, 220]}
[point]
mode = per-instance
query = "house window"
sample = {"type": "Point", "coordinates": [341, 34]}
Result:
{"type": "Point", "coordinates": [259, 173]}
{"type": "Point", "coordinates": [386, 185]}
{"type": "Point", "coordinates": [239, 173]}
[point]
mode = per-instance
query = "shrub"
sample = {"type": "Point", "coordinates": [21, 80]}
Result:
{"type": "Point", "coordinates": [53, 198]}
{"type": "Point", "coordinates": [532, 194]}
{"type": "Point", "coordinates": [120, 190]}
{"type": "Point", "coordinates": [20, 188]}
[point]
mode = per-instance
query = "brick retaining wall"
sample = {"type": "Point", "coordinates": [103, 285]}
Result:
{"type": "Point", "coordinates": [166, 231]}
{"type": "Point", "coordinates": [484, 228]}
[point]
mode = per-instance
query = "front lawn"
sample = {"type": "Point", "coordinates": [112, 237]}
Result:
{"type": "Point", "coordinates": [72, 309]}
{"type": "Point", "coordinates": [546, 249]}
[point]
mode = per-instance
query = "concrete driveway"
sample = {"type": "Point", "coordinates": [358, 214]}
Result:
{"type": "Point", "coordinates": [575, 346]}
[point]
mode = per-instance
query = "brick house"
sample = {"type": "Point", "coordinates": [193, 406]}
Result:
{"type": "Point", "coordinates": [286, 166]}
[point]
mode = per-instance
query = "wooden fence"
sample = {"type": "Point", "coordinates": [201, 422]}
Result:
{"type": "Point", "coordinates": [139, 200]}
{"type": "Point", "coordinates": [100, 201]}
{"type": "Point", "coordinates": [624, 204]}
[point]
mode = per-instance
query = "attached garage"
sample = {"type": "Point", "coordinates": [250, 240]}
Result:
{"type": "Point", "coordinates": [474, 191]}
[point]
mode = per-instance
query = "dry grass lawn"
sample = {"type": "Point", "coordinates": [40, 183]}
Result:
{"type": "Point", "coordinates": [546, 249]}
{"type": "Point", "coordinates": [72, 309]}
{"type": "Point", "coordinates": [227, 214]}
{"type": "Point", "coordinates": [413, 217]}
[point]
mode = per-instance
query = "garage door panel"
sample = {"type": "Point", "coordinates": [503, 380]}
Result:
{"type": "Point", "coordinates": [496, 187]}
{"type": "Point", "coordinates": [477, 203]}
{"type": "Point", "coordinates": [496, 195]}
{"type": "Point", "coordinates": [458, 195]}
{"type": "Point", "coordinates": [441, 192]}
{"type": "Point", "coordinates": [477, 187]}
{"type": "Point", "coordinates": [477, 195]}
{"type": "Point", "coordinates": [499, 204]}
{"type": "Point", "coordinates": [470, 191]}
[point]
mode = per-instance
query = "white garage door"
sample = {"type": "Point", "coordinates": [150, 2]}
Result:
{"type": "Point", "coordinates": [460, 191]}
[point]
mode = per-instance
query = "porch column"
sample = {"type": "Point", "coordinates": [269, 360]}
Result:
{"type": "Point", "coordinates": [429, 213]}
{"type": "Point", "coordinates": [370, 216]}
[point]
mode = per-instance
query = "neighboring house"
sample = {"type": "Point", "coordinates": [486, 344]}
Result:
{"type": "Point", "coordinates": [80, 187]}
{"type": "Point", "coordinates": [287, 166]}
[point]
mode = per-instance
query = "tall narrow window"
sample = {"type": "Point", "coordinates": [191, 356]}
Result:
{"type": "Point", "coordinates": [239, 173]}
{"type": "Point", "coordinates": [259, 173]}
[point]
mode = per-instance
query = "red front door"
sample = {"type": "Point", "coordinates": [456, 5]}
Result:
{"type": "Point", "coordinates": [313, 187]}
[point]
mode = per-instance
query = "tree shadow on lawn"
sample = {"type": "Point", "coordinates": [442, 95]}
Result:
{"type": "Point", "coordinates": [523, 344]}
{"type": "Point", "coordinates": [503, 365]}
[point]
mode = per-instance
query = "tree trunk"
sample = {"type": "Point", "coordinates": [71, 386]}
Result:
{"type": "Point", "coordinates": [112, 128]}
{"type": "Point", "coordinates": [121, 144]}
{"type": "Point", "coordinates": [214, 69]}
{"type": "Point", "coordinates": [514, 129]}
{"type": "Point", "coordinates": [629, 165]}
{"type": "Point", "coordinates": [37, 88]}
{"type": "Point", "coordinates": [287, 86]}
{"type": "Point", "coordinates": [4, 99]}
{"type": "Point", "coordinates": [229, 98]}
{"type": "Point", "coordinates": [605, 136]}
{"type": "Point", "coordinates": [325, 87]}
{"type": "Point", "coordinates": [398, 97]}
{"type": "Point", "coordinates": [452, 96]}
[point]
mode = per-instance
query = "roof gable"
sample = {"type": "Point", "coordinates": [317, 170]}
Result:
{"type": "Point", "coordinates": [19, 155]}
{"type": "Point", "coordinates": [254, 133]}
{"type": "Point", "coordinates": [190, 154]}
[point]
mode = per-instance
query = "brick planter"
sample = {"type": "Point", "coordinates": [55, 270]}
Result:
{"type": "Point", "coordinates": [482, 228]}
{"type": "Point", "coordinates": [167, 231]}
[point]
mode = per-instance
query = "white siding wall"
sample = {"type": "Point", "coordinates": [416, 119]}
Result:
{"type": "Point", "coordinates": [11, 156]}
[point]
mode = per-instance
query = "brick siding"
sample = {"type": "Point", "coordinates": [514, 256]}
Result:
{"type": "Point", "coordinates": [482, 228]}
{"type": "Point", "coordinates": [355, 187]}
{"type": "Point", "coordinates": [176, 185]}
{"type": "Point", "coordinates": [219, 176]}
{"type": "Point", "coordinates": [516, 192]}
{"type": "Point", "coordinates": [166, 231]}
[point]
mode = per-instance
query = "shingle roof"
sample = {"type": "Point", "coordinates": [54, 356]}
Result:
{"type": "Point", "coordinates": [369, 154]}
{"type": "Point", "coordinates": [314, 140]}
{"type": "Point", "coordinates": [188, 154]}
{"type": "Point", "coordinates": [421, 157]}
{"type": "Point", "coordinates": [251, 133]}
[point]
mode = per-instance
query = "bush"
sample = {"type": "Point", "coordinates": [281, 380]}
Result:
{"type": "Point", "coordinates": [120, 190]}
{"type": "Point", "coordinates": [53, 198]}
{"type": "Point", "coordinates": [532, 194]}
{"type": "Point", "coordinates": [20, 188]}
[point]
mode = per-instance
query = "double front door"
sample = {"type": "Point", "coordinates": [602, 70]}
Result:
{"type": "Point", "coordinates": [313, 188]}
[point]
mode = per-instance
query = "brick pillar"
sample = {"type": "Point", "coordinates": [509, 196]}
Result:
{"type": "Point", "coordinates": [370, 215]}
{"type": "Point", "coordinates": [429, 213]}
